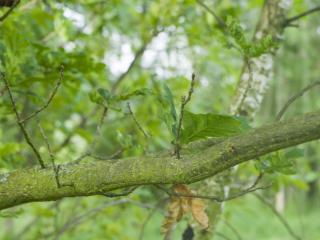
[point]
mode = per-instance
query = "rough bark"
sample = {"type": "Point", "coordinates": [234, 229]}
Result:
{"type": "Point", "coordinates": [99, 177]}
{"type": "Point", "coordinates": [254, 80]}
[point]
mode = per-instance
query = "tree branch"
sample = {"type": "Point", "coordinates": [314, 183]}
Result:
{"type": "Point", "coordinates": [12, 5]}
{"type": "Point", "coordinates": [279, 216]}
{"type": "Point", "coordinates": [289, 21]}
{"type": "Point", "coordinates": [98, 177]}
{"type": "Point", "coordinates": [218, 19]}
{"type": "Point", "coordinates": [21, 125]}
{"type": "Point", "coordinates": [294, 98]}
{"type": "Point", "coordinates": [49, 99]}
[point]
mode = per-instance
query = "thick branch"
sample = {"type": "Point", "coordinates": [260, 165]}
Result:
{"type": "Point", "coordinates": [99, 177]}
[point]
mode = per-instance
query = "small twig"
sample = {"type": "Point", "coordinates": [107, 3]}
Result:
{"type": "Point", "coordinates": [184, 101]}
{"type": "Point", "coordinates": [214, 198]}
{"type": "Point", "coordinates": [6, 14]}
{"type": "Point", "coordinates": [250, 189]}
{"type": "Point", "coordinates": [233, 229]}
{"type": "Point", "coordinates": [136, 121]}
{"type": "Point", "coordinates": [218, 19]}
{"type": "Point", "coordinates": [279, 216]}
{"type": "Point", "coordinates": [133, 63]}
{"type": "Point", "coordinates": [50, 97]}
{"type": "Point", "coordinates": [222, 235]}
{"type": "Point", "coordinates": [148, 218]}
{"type": "Point", "coordinates": [21, 125]}
{"type": "Point", "coordinates": [122, 194]}
{"type": "Point", "coordinates": [294, 98]}
{"type": "Point", "coordinates": [289, 21]}
{"type": "Point", "coordinates": [83, 122]}
{"type": "Point", "coordinates": [55, 169]}
{"type": "Point", "coordinates": [89, 151]}
{"type": "Point", "coordinates": [77, 220]}
{"type": "Point", "coordinates": [245, 93]}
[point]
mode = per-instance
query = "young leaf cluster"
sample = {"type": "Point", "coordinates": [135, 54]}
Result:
{"type": "Point", "coordinates": [248, 48]}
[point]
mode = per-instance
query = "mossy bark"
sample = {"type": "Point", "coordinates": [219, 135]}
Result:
{"type": "Point", "coordinates": [99, 177]}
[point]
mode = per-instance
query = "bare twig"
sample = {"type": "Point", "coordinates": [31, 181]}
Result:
{"type": "Point", "coordinates": [279, 216]}
{"type": "Point", "coordinates": [136, 121]}
{"type": "Point", "coordinates": [213, 198]}
{"type": "Point", "coordinates": [246, 90]}
{"type": "Point", "coordinates": [52, 158]}
{"type": "Point", "coordinates": [184, 101]}
{"type": "Point", "coordinates": [137, 56]}
{"type": "Point", "coordinates": [218, 19]}
{"type": "Point", "coordinates": [294, 98]}
{"type": "Point", "coordinates": [232, 229]}
{"type": "Point", "coordinates": [250, 189]}
{"type": "Point", "coordinates": [6, 14]}
{"type": "Point", "coordinates": [50, 97]}
{"type": "Point", "coordinates": [222, 235]}
{"type": "Point", "coordinates": [289, 21]}
{"type": "Point", "coordinates": [116, 84]}
{"type": "Point", "coordinates": [148, 218]}
{"type": "Point", "coordinates": [21, 125]}
{"type": "Point", "coordinates": [83, 122]}
{"type": "Point", "coordinates": [77, 220]}
{"type": "Point", "coordinates": [99, 126]}
{"type": "Point", "coordinates": [89, 151]}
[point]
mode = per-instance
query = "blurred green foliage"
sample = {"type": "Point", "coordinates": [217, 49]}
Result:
{"type": "Point", "coordinates": [96, 41]}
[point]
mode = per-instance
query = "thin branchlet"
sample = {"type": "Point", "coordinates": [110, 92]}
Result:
{"type": "Point", "coordinates": [89, 151]}
{"type": "Point", "coordinates": [217, 18]}
{"type": "Point", "coordinates": [136, 121]}
{"type": "Point", "coordinates": [52, 158]}
{"type": "Point", "coordinates": [294, 98]}
{"type": "Point", "coordinates": [35, 113]}
{"type": "Point", "coordinates": [184, 101]}
{"type": "Point", "coordinates": [279, 216]}
{"type": "Point", "coordinates": [289, 21]}
{"type": "Point", "coordinates": [7, 13]}
{"type": "Point", "coordinates": [21, 125]}
{"type": "Point", "coordinates": [241, 193]}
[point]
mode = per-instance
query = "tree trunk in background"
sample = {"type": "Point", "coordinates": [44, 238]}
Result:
{"type": "Point", "coordinates": [249, 95]}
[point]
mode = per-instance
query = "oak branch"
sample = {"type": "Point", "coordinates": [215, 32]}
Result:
{"type": "Point", "coordinates": [99, 177]}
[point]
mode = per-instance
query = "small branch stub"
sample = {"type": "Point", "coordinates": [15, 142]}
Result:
{"type": "Point", "coordinates": [184, 101]}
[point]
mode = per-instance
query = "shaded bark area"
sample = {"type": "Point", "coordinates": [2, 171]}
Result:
{"type": "Point", "coordinates": [97, 178]}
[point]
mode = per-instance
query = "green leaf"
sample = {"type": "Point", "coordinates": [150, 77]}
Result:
{"type": "Point", "coordinates": [105, 97]}
{"type": "Point", "coordinates": [277, 162]}
{"type": "Point", "coordinates": [168, 113]}
{"type": "Point", "coordinates": [199, 126]}
{"type": "Point", "coordinates": [138, 92]}
{"type": "Point", "coordinates": [105, 94]}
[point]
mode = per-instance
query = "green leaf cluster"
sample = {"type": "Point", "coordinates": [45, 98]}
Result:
{"type": "Point", "coordinates": [248, 48]}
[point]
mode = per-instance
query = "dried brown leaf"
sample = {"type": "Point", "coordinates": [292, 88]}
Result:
{"type": "Point", "coordinates": [198, 212]}
{"type": "Point", "coordinates": [174, 215]}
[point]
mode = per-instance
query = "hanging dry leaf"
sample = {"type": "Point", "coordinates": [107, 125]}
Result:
{"type": "Point", "coordinates": [174, 215]}
{"type": "Point", "coordinates": [198, 212]}
{"type": "Point", "coordinates": [178, 206]}
{"type": "Point", "coordinates": [185, 201]}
